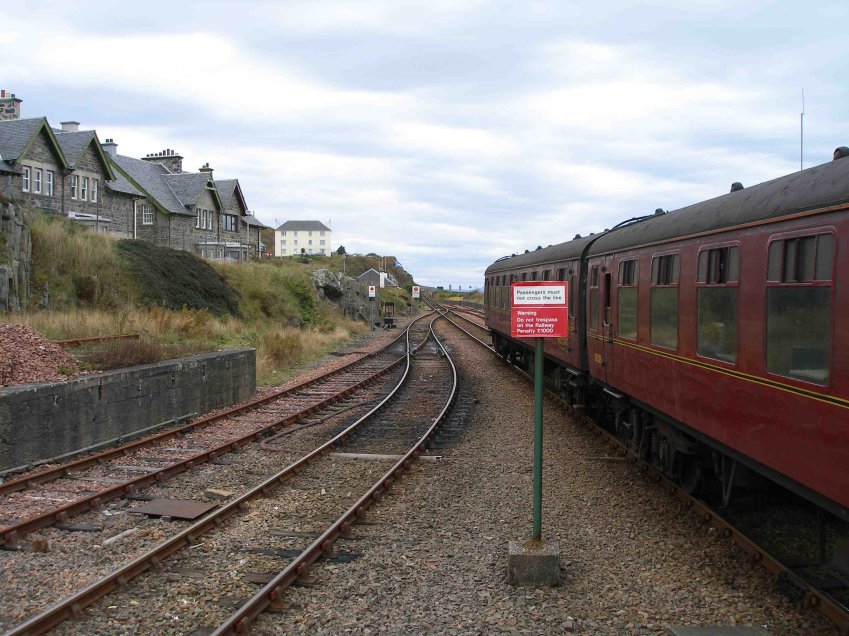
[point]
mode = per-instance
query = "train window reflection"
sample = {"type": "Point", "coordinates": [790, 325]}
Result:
{"type": "Point", "coordinates": [798, 332]}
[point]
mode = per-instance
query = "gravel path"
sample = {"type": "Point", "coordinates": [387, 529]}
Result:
{"type": "Point", "coordinates": [434, 553]}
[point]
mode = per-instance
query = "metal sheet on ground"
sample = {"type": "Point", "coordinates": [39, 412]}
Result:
{"type": "Point", "coordinates": [176, 508]}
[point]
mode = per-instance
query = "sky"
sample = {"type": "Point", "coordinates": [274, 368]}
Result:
{"type": "Point", "coordinates": [447, 133]}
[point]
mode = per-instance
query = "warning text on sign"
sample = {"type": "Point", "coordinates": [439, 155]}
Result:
{"type": "Point", "coordinates": [539, 310]}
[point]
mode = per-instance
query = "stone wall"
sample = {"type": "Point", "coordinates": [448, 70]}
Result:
{"type": "Point", "coordinates": [15, 258]}
{"type": "Point", "coordinates": [40, 421]}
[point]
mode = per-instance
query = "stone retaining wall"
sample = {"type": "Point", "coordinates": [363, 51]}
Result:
{"type": "Point", "coordinates": [40, 421]}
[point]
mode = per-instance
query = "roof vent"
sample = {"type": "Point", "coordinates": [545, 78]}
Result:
{"type": "Point", "coordinates": [526, 251]}
{"type": "Point", "coordinates": [577, 236]}
{"type": "Point", "coordinates": [736, 186]}
{"type": "Point", "coordinates": [841, 152]}
{"type": "Point", "coordinates": [659, 211]}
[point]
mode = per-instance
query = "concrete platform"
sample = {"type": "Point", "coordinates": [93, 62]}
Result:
{"type": "Point", "coordinates": [716, 630]}
{"type": "Point", "coordinates": [533, 563]}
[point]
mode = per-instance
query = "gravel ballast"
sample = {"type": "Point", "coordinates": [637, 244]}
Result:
{"type": "Point", "coordinates": [435, 551]}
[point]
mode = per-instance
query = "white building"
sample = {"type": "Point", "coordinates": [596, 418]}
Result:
{"type": "Point", "coordinates": [302, 237]}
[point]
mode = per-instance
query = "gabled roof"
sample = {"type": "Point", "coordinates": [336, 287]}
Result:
{"type": "Point", "coordinates": [228, 190]}
{"type": "Point", "coordinates": [17, 135]}
{"type": "Point", "coordinates": [298, 226]}
{"type": "Point", "coordinates": [74, 144]}
{"type": "Point", "coordinates": [188, 186]}
{"type": "Point", "coordinates": [149, 178]}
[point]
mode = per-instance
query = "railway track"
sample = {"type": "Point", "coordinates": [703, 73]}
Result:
{"type": "Point", "coordinates": [807, 592]}
{"type": "Point", "coordinates": [235, 548]}
{"type": "Point", "coordinates": [60, 492]}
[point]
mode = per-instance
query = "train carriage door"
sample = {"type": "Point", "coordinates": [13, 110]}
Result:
{"type": "Point", "coordinates": [596, 328]}
{"type": "Point", "coordinates": [607, 327]}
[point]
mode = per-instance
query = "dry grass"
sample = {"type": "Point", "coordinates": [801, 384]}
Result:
{"type": "Point", "coordinates": [167, 334]}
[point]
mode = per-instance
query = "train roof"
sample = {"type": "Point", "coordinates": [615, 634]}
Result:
{"type": "Point", "coordinates": [552, 253]}
{"type": "Point", "coordinates": [821, 186]}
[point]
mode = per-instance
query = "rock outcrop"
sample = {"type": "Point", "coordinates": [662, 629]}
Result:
{"type": "Point", "coordinates": [15, 258]}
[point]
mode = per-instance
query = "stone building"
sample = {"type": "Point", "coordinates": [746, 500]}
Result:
{"type": "Point", "coordinates": [68, 171]}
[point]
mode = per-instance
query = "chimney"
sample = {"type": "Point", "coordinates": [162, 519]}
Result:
{"type": "Point", "coordinates": [10, 106]}
{"type": "Point", "coordinates": [70, 126]}
{"type": "Point", "coordinates": [169, 158]}
{"type": "Point", "coordinates": [110, 147]}
{"type": "Point", "coordinates": [205, 168]}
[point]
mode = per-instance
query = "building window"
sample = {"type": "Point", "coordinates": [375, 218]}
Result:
{"type": "Point", "coordinates": [309, 242]}
{"type": "Point", "coordinates": [48, 182]}
{"type": "Point", "coordinates": [627, 299]}
{"type": "Point", "coordinates": [75, 181]}
{"type": "Point", "coordinates": [197, 222]}
{"type": "Point", "coordinates": [84, 188]}
{"type": "Point", "coordinates": [147, 214]}
{"type": "Point", "coordinates": [799, 307]}
{"type": "Point", "coordinates": [36, 180]}
{"type": "Point", "coordinates": [664, 301]}
{"type": "Point", "coordinates": [295, 242]}
{"type": "Point", "coordinates": [309, 232]}
{"type": "Point", "coordinates": [26, 176]}
{"type": "Point", "coordinates": [717, 281]}
{"type": "Point", "coordinates": [94, 188]}
{"type": "Point", "coordinates": [321, 242]}
{"type": "Point", "coordinates": [229, 223]}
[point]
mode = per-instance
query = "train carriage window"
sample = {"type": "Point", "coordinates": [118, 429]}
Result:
{"type": "Point", "coordinates": [524, 276]}
{"type": "Point", "coordinates": [561, 274]}
{"type": "Point", "coordinates": [799, 307]}
{"type": "Point", "coordinates": [627, 299]}
{"type": "Point", "coordinates": [546, 274]}
{"type": "Point", "coordinates": [534, 275]}
{"type": "Point", "coordinates": [664, 301]}
{"type": "Point", "coordinates": [607, 283]}
{"type": "Point", "coordinates": [573, 284]}
{"type": "Point", "coordinates": [594, 298]}
{"type": "Point", "coordinates": [717, 282]}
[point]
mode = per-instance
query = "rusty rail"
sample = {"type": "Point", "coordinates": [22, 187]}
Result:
{"type": "Point", "coordinates": [73, 605]}
{"type": "Point", "coordinates": [241, 620]}
{"type": "Point", "coordinates": [95, 339]}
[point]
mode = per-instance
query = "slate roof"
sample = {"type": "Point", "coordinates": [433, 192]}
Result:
{"type": "Point", "coordinates": [253, 221]}
{"type": "Point", "coordinates": [298, 226]}
{"type": "Point", "coordinates": [16, 134]}
{"type": "Point", "coordinates": [188, 186]}
{"type": "Point", "coordinates": [73, 144]}
{"type": "Point", "coordinates": [227, 191]}
{"type": "Point", "coordinates": [120, 184]}
{"type": "Point", "coordinates": [149, 176]}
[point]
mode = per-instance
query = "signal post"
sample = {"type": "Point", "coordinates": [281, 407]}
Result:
{"type": "Point", "coordinates": [539, 311]}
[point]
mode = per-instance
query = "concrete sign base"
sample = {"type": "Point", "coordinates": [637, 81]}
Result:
{"type": "Point", "coordinates": [533, 563]}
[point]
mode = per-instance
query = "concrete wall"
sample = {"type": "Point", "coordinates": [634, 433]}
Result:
{"type": "Point", "coordinates": [39, 421]}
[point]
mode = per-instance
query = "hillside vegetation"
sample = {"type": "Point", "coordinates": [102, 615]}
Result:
{"type": "Point", "coordinates": [85, 284]}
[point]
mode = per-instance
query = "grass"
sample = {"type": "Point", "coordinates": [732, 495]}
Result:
{"type": "Point", "coordinates": [180, 304]}
{"type": "Point", "coordinates": [76, 267]}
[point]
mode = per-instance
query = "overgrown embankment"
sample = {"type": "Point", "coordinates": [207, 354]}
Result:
{"type": "Point", "coordinates": [85, 284]}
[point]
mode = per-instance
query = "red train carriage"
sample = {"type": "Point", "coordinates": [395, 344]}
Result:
{"type": "Point", "coordinates": [710, 338]}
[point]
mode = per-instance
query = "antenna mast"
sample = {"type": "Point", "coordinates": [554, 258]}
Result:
{"type": "Point", "coordinates": [802, 133]}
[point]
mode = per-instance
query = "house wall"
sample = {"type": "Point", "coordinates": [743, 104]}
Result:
{"type": "Point", "coordinates": [294, 240]}
{"type": "Point", "coordinates": [40, 155]}
{"type": "Point", "coordinates": [89, 167]}
{"type": "Point", "coordinates": [118, 206]}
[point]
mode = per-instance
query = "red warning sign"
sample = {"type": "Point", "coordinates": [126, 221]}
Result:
{"type": "Point", "coordinates": [540, 310]}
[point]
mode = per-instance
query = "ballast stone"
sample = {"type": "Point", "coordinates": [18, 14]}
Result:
{"type": "Point", "coordinates": [533, 563]}
{"type": "Point", "coordinates": [715, 630]}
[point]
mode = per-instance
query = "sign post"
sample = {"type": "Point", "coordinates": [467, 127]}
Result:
{"type": "Point", "coordinates": [539, 311]}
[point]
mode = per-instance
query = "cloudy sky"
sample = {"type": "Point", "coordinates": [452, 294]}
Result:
{"type": "Point", "coordinates": [448, 132]}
